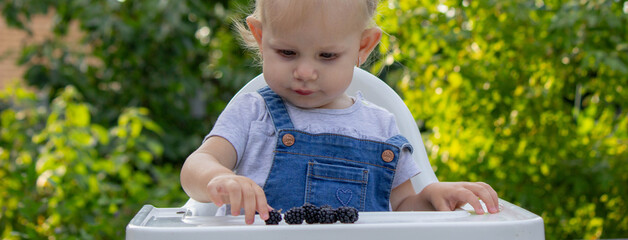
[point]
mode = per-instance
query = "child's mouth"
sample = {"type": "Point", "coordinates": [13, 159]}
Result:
{"type": "Point", "coordinates": [303, 92]}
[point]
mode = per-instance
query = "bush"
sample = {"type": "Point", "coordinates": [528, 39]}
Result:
{"type": "Point", "coordinates": [178, 59]}
{"type": "Point", "coordinates": [68, 178]}
{"type": "Point", "coordinates": [81, 155]}
{"type": "Point", "coordinates": [525, 95]}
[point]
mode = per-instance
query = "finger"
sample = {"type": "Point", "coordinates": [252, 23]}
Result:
{"type": "Point", "coordinates": [481, 191]}
{"type": "Point", "coordinates": [214, 195]}
{"type": "Point", "coordinates": [262, 205]}
{"type": "Point", "coordinates": [493, 204]}
{"type": "Point", "coordinates": [469, 197]}
{"type": "Point", "coordinates": [441, 205]}
{"type": "Point", "coordinates": [249, 202]}
{"type": "Point", "coordinates": [235, 198]}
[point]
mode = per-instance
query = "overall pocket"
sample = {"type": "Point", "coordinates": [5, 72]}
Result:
{"type": "Point", "coordinates": [336, 185]}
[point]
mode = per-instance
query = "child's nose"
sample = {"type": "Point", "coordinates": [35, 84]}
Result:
{"type": "Point", "coordinates": [305, 71]}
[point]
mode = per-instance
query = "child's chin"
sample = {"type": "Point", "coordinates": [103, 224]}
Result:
{"type": "Point", "coordinates": [304, 103]}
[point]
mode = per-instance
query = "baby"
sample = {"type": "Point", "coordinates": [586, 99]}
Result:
{"type": "Point", "coordinates": [302, 139]}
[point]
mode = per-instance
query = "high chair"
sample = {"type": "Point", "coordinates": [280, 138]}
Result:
{"type": "Point", "coordinates": [196, 220]}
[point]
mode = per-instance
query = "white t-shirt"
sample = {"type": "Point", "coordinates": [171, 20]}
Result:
{"type": "Point", "coordinates": [247, 125]}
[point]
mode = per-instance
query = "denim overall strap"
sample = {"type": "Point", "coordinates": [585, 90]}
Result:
{"type": "Point", "coordinates": [276, 108]}
{"type": "Point", "coordinates": [401, 141]}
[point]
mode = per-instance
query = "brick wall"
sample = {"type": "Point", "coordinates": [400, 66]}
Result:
{"type": "Point", "coordinates": [9, 41]}
{"type": "Point", "coordinates": [12, 40]}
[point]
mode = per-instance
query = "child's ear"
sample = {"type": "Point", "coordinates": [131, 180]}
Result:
{"type": "Point", "coordinates": [370, 39]}
{"type": "Point", "coordinates": [256, 29]}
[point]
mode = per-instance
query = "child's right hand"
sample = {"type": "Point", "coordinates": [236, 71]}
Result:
{"type": "Point", "coordinates": [240, 192]}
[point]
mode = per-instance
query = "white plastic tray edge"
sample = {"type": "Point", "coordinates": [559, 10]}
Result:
{"type": "Point", "coordinates": [512, 223]}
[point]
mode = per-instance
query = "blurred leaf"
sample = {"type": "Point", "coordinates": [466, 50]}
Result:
{"type": "Point", "coordinates": [526, 96]}
{"type": "Point", "coordinates": [77, 115]}
{"type": "Point", "coordinates": [58, 170]}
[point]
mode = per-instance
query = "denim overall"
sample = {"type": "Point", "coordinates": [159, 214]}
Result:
{"type": "Point", "coordinates": [327, 168]}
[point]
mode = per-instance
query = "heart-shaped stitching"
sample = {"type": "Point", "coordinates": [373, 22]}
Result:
{"type": "Point", "coordinates": [344, 196]}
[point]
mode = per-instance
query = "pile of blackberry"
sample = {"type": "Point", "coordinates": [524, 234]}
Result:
{"type": "Point", "coordinates": [312, 214]}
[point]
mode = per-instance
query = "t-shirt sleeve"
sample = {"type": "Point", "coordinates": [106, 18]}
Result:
{"type": "Point", "coordinates": [234, 122]}
{"type": "Point", "coordinates": [406, 167]}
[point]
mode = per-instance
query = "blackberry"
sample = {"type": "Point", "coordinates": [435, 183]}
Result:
{"type": "Point", "coordinates": [274, 217]}
{"type": "Point", "coordinates": [295, 215]}
{"type": "Point", "coordinates": [326, 206]}
{"type": "Point", "coordinates": [327, 215]}
{"type": "Point", "coordinates": [347, 214]}
{"type": "Point", "coordinates": [312, 213]}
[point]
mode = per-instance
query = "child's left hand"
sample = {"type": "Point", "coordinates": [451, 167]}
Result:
{"type": "Point", "coordinates": [447, 196]}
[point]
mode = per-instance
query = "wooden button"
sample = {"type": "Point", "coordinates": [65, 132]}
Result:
{"type": "Point", "coordinates": [288, 140]}
{"type": "Point", "coordinates": [388, 156]}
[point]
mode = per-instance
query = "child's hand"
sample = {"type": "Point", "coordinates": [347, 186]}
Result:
{"type": "Point", "coordinates": [447, 196]}
{"type": "Point", "coordinates": [240, 192]}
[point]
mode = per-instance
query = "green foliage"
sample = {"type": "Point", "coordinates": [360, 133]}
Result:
{"type": "Point", "coordinates": [178, 59]}
{"type": "Point", "coordinates": [81, 157]}
{"type": "Point", "coordinates": [64, 176]}
{"type": "Point", "coordinates": [527, 96]}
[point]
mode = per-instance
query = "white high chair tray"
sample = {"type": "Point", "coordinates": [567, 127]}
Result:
{"type": "Point", "coordinates": [512, 222]}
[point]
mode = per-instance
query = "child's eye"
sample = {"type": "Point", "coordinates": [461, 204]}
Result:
{"type": "Point", "coordinates": [328, 56]}
{"type": "Point", "coordinates": [287, 53]}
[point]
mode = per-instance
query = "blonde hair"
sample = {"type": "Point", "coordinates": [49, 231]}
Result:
{"type": "Point", "coordinates": [248, 40]}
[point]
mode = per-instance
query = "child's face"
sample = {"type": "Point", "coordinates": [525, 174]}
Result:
{"type": "Point", "coordinates": [309, 59]}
